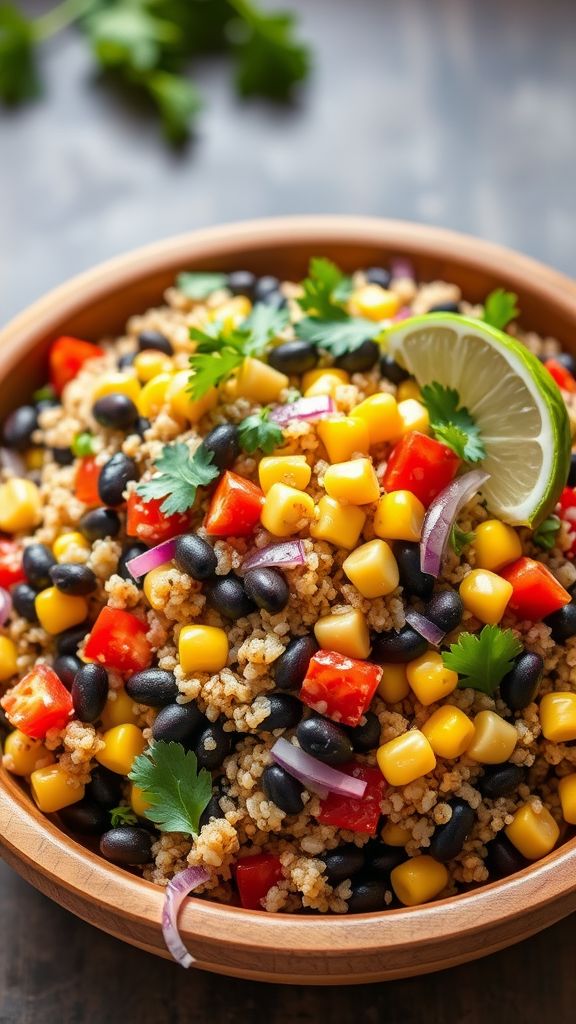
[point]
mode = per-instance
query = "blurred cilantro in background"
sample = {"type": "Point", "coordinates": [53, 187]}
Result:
{"type": "Point", "coordinates": [148, 45]}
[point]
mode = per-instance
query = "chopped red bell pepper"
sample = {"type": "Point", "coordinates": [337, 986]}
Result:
{"type": "Point", "coordinates": [255, 876]}
{"type": "Point", "coordinates": [561, 375]}
{"type": "Point", "coordinates": [145, 520]}
{"type": "Point", "coordinates": [37, 703]}
{"type": "Point", "coordinates": [86, 483]}
{"type": "Point", "coordinates": [421, 465]}
{"type": "Point", "coordinates": [118, 641]}
{"type": "Point", "coordinates": [567, 511]}
{"type": "Point", "coordinates": [67, 357]}
{"type": "Point", "coordinates": [340, 688]}
{"type": "Point", "coordinates": [356, 815]}
{"type": "Point", "coordinates": [235, 507]}
{"type": "Point", "coordinates": [11, 568]}
{"type": "Point", "coordinates": [536, 592]}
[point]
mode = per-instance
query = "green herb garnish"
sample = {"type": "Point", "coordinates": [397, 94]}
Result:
{"type": "Point", "coordinates": [500, 308]}
{"type": "Point", "coordinates": [46, 393]}
{"type": "Point", "coordinates": [452, 425]}
{"type": "Point", "coordinates": [83, 444]}
{"type": "Point", "coordinates": [259, 433]}
{"type": "Point", "coordinates": [178, 793]}
{"type": "Point", "coordinates": [122, 816]}
{"type": "Point", "coordinates": [200, 286]}
{"type": "Point", "coordinates": [459, 539]}
{"type": "Point", "coordinates": [337, 336]}
{"type": "Point", "coordinates": [547, 533]}
{"type": "Point", "coordinates": [325, 290]}
{"type": "Point", "coordinates": [179, 476]}
{"type": "Point", "coordinates": [483, 659]}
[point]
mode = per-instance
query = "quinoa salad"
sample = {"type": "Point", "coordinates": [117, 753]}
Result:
{"type": "Point", "coordinates": [286, 579]}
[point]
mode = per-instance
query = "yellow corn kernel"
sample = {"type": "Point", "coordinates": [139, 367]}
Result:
{"type": "Point", "coordinates": [57, 612]}
{"type": "Point", "coordinates": [122, 744]}
{"type": "Point", "coordinates": [343, 436]}
{"type": "Point", "coordinates": [394, 835]}
{"type": "Point", "coordinates": [558, 716]}
{"type": "Point", "coordinates": [34, 458]}
{"type": "Point", "coordinates": [157, 586]}
{"type": "Point", "coordinates": [118, 710]}
{"type": "Point", "coordinates": [338, 524]}
{"type": "Point", "coordinates": [494, 739]}
{"type": "Point", "coordinates": [311, 377]}
{"type": "Point", "coordinates": [231, 313]}
{"type": "Point", "coordinates": [139, 802]}
{"type": "Point", "coordinates": [292, 470]}
{"type": "Point", "coordinates": [22, 755]}
{"type": "Point", "coordinates": [449, 732]}
{"type": "Point", "coordinates": [567, 794]}
{"type": "Point", "coordinates": [327, 384]}
{"type": "Point", "coordinates": [20, 505]}
{"type": "Point", "coordinates": [202, 649]}
{"type": "Point", "coordinates": [418, 880]}
{"type": "Point", "coordinates": [8, 659]}
{"type": "Point", "coordinates": [71, 547]}
{"type": "Point", "coordinates": [374, 302]}
{"type": "Point", "coordinates": [380, 414]}
{"type": "Point", "coordinates": [153, 395]}
{"type": "Point", "coordinates": [346, 634]}
{"type": "Point", "coordinates": [150, 363]}
{"type": "Point", "coordinates": [373, 569]}
{"type": "Point", "coordinates": [406, 758]}
{"type": "Point", "coordinates": [399, 516]}
{"type": "Point", "coordinates": [496, 545]}
{"type": "Point", "coordinates": [413, 416]}
{"type": "Point", "coordinates": [182, 405]}
{"type": "Point", "coordinates": [286, 510]}
{"type": "Point", "coordinates": [533, 832]}
{"type": "Point", "coordinates": [429, 678]}
{"type": "Point", "coordinates": [393, 686]}
{"type": "Point", "coordinates": [355, 482]}
{"type": "Point", "coordinates": [408, 389]}
{"type": "Point", "coordinates": [53, 789]}
{"type": "Point", "coordinates": [485, 595]}
{"type": "Point", "coordinates": [125, 383]}
{"type": "Point", "coordinates": [260, 382]}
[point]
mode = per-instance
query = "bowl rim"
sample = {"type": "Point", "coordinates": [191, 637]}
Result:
{"type": "Point", "coordinates": [40, 845]}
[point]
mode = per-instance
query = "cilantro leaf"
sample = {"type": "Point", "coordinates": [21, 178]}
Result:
{"type": "Point", "coordinates": [18, 74]}
{"type": "Point", "coordinates": [179, 476]}
{"type": "Point", "coordinates": [337, 336]}
{"type": "Point", "coordinates": [200, 286]}
{"type": "Point", "coordinates": [122, 816]}
{"type": "Point", "coordinates": [211, 369]}
{"type": "Point", "coordinates": [547, 533]}
{"type": "Point", "coordinates": [269, 60]}
{"type": "Point", "coordinates": [44, 394]}
{"type": "Point", "coordinates": [129, 35]}
{"type": "Point", "coordinates": [459, 539]}
{"type": "Point", "coordinates": [258, 432]}
{"type": "Point", "coordinates": [178, 101]}
{"type": "Point", "coordinates": [500, 308]}
{"type": "Point", "coordinates": [451, 424]}
{"type": "Point", "coordinates": [178, 793]}
{"type": "Point", "coordinates": [218, 354]}
{"type": "Point", "coordinates": [83, 444]}
{"type": "Point", "coordinates": [483, 659]}
{"type": "Point", "coordinates": [264, 324]}
{"type": "Point", "coordinates": [322, 288]}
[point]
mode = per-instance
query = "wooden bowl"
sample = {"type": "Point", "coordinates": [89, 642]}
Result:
{"type": "Point", "coordinates": [247, 944]}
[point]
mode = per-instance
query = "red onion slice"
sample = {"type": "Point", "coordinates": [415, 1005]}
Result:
{"type": "Point", "coordinates": [402, 269]}
{"type": "Point", "coordinates": [403, 314]}
{"type": "Point", "coordinates": [151, 559]}
{"type": "Point", "coordinates": [176, 892]}
{"type": "Point", "coordinates": [286, 555]}
{"type": "Point", "coordinates": [12, 462]}
{"type": "Point", "coordinates": [303, 409]}
{"type": "Point", "coordinates": [5, 606]}
{"type": "Point", "coordinates": [441, 516]}
{"type": "Point", "coordinates": [428, 629]}
{"type": "Point", "coordinates": [314, 774]}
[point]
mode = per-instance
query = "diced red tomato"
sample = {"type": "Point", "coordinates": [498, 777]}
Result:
{"type": "Point", "coordinates": [340, 688]}
{"type": "Point", "coordinates": [255, 876]}
{"type": "Point", "coordinates": [536, 592]}
{"type": "Point", "coordinates": [67, 357]}
{"type": "Point", "coordinates": [37, 703]}
{"type": "Point", "coordinates": [145, 520]}
{"type": "Point", "coordinates": [118, 641]}
{"type": "Point", "coordinates": [561, 375]}
{"type": "Point", "coordinates": [567, 512]}
{"type": "Point", "coordinates": [86, 484]}
{"type": "Point", "coordinates": [421, 465]}
{"type": "Point", "coordinates": [351, 813]}
{"type": "Point", "coordinates": [235, 507]}
{"type": "Point", "coordinates": [11, 569]}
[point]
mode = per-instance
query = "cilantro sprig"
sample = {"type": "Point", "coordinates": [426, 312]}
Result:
{"type": "Point", "coordinates": [452, 424]}
{"type": "Point", "coordinates": [547, 533]}
{"type": "Point", "coordinates": [122, 816]}
{"type": "Point", "coordinates": [337, 336]}
{"type": "Point", "coordinates": [500, 308]}
{"type": "Point", "coordinates": [178, 477]}
{"type": "Point", "coordinates": [459, 539]}
{"type": "Point", "coordinates": [200, 285]}
{"type": "Point", "coordinates": [259, 433]}
{"type": "Point", "coordinates": [83, 444]}
{"type": "Point", "coordinates": [483, 659]}
{"type": "Point", "coordinates": [177, 792]}
{"type": "Point", "coordinates": [327, 324]}
{"type": "Point", "coordinates": [325, 290]}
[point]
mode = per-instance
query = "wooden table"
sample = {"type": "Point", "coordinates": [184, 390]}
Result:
{"type": "Point", "coordinates": [453, 112]}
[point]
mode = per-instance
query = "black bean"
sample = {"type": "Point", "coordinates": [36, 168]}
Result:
{"type": "Point", "coordinates": [19, 427]}
{"type": "Point", "coordinates": [154, 687]}
{"type": "Point", "coordinates": [397, 648]}
{"type": "Point", "coordinates": [267, 588]}
{"type": "Point", "coordinates": [128, 553]}
{"type": "Point", "coordinates": [324, 739]}
{"type": "Point", "coordinates": [69, 641]}
{"type": "Point", "coordinates": [265, 286]}
{"type": "Point", "coordinates": [105, 787]}
{"type": "Point", "coordinates": [445, 610]}
{"type": "Point", "coordinates": [23, 599]}
{"type": "Point", "coordinates": [282, 789]}
{"type": "Point", "coordinates": [378, 275]}
{"type": "Point", "coordinates": [115, 411]}
{"type": "Point", "coordinates": [414, 582]}
{"type": "Point", "coordinates": [195, 556]}
{"type": "Point", "coordinates": [343, 862]}
{"type": "Point", "coordinates": [392, 370]}
{"type": "Point", "coordinates": [177, 722]}
{"type": "Point", "coordinates": [100, 523]}
{"type": "Point", "coordinates": [448, 839]}
{"type": "Point", "coordinates": [567, 361]}
{"type": "Point", "coordinates": [292, 665]}
{"type": "Point", "coordinates": [87, 817]}
{"type": "Point", "coordinates": [114, 476]}
{"type": "Point", "coordinates": [382, 858]}
{"type": "Point", "coordinates": [155, 340]}
{"type": "Point", "coordinates": [223, 442]}
{"type": "Point", "coordinates": [37, 560]}
{"type": "Point", "coordinates": [141, 426]}
{"type": "Point", "coordinates": [127, 844]}
{"type": "Point", "coordinates": [445, 307]}
{"type": "Point", "coordinates": [90, 692]}
{"type": "Point", "coordinates": [366, 737]}
{"type": "Point", "coordinates": [501, 780]}
{"type": "Point", "coordinates": [285, 712]}
{"type": "Point", "coordinates": [503, 858]}
{"type": "Point", "coordinates": [66, 666]}
{"type": "Point", "coordinates": [519, 688]}
{"type": "Point", "coordinates": [212, 746]}
{"type": "Point", "coordinates": [563, 623]}
{"type": "Point", "coordinates": [242, 282]}
{"type": "Point", "coordinates": [294, 357]}
{"type": "Point", "coordinates": [571, 481]}
{"type": "Point", "coordinates": [227, 595]}
{"type": "Point", "coordinates": [360, 359]}
{"type": "Point", "coordinates": [367, 896]}
{"type": "Point", "coordinates": [73, 578]}
{"type": "Point", "coordinates": [123, 362]}
{"type": "Point", "coordinates": [63, 456]}
{"type": "Point", "coordinates": [212, 810]}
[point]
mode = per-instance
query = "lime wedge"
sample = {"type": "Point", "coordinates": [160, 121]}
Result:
{"type": "Point", "coordinates": [515, 402]}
